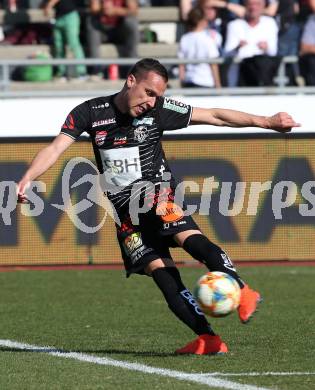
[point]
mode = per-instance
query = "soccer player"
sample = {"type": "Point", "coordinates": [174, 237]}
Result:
{"type": "Point", "coordinates": [126, 130]}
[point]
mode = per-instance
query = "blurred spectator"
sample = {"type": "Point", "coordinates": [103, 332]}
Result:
{"type": "Point", "coordinates": [306, 8]}
{"type": "Point", "coordinates": [211, 14]}
{"type": "Point", "coordinates": [113, 21]}
{"type": "Point", "coordinates": [198, 43]}
{"type": "Point", "coordinates": [253, 39]}
{"type": "Point", "coordinates": [1, 29]}
{"type": "Point", "coordinates": [164, 3]}
{"type": "Point", "coordinates": [307, 59]}
{"type": "Point", "coordinates": [185, 6]}
{"type": "Point", "coordinates": [311, 5]}
{"type": "Point", "coordinates": [209, 10]}
{"type": "Point", "coordinates": [231, 6]}
{"type": "Point", "coordinates": [285, 12]}
{"type": "Point", "coordinates": [218, 12]}
{"type": "Point", "coordinates": [17, 28]}
{"type": "Point", "coordinates": [14, 5]}
{"type": "Point", "coordinates": [286, 15]}
{"type": "Point", "coordinates": [66, 32]}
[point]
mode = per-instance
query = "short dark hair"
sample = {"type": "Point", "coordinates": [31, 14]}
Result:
{"type": "Point", "coordinates": [149, 65]}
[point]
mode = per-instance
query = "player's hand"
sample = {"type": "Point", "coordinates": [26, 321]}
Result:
{"type": "Point", "coordinates": [282, 122]}
{"type": "Point", "coordinates": [20, 191]}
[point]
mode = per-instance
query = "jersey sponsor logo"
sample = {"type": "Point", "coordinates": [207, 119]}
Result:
{"type": "Point", "coordinates": [105, 105]}
{"type": "Point", "coordinates": [121, 166]}
{"type": "Point", "coordinates": [69, 123]}
{"type": "Point", "coordinates": [174, 105]}
{"type": "Point", "coordinates": [120, 140]}
{"type": "Point", "coordinates": [103, 122]}
{"type": "Point", "coordinates": [141, 134]}
{"type": "Point", "coordinates": [100, 137]}
{"type": "Point", "coordinates": [140, 252]}
{"type": "Point", "coordinates": [143, 121]}
{"type": "Point", "coordinates": [133, 242]}
{"type": "Point", "coordinates": [169, 212]}
{"type": "Point", "coordinates": [134, 247]}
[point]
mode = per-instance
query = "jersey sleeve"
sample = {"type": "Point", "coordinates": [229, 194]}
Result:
{"type": "Point", "coordinates": [173, 114]}
{"type": "Point", "coordinates": [77, 121]}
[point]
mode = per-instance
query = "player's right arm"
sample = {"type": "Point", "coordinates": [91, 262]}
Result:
{"type": "Point", "coordinates": [76, 123]}
{"type": "Point", "coordinates": [44, 159]}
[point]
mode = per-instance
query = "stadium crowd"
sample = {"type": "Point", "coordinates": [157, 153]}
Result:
{"type": "Point", "coordinates": [258, 33]}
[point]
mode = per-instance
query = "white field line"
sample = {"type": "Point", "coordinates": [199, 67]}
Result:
{"type": "Point", "coordinates": [183, 376]}
{"type": "Point", "coordinates": [290, 373]}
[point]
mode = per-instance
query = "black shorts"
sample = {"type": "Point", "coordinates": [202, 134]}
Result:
{"type": "Point", "coordinates": [152, 237]}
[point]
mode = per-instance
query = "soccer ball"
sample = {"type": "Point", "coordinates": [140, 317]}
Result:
{"type": "Point", "coordinates": [217, 293]}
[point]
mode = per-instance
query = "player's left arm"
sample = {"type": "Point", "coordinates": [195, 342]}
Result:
{"type": "Point", "coordinates": [281, 121]}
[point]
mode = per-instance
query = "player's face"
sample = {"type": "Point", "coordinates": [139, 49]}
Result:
{"type": "Point", "coordinates": [142, 92]}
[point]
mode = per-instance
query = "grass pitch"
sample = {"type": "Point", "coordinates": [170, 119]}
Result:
{"type": "Point", "coordinates": [101, 313]}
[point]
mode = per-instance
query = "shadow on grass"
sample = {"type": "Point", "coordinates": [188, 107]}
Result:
{"type": "Point", "coordinates": [95, 351]}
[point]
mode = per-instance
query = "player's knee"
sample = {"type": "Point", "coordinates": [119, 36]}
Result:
{"type": "Point", "coordinates": [158, 263]}
{"type": "Point", "coordinates": [182, 237]}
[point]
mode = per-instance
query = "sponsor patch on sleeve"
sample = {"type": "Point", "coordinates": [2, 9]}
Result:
{"type": "Point", "coordinates": [174, 105]}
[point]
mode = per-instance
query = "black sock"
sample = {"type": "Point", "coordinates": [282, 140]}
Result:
{"type": "Point", "coordinates": [180, 300]}
{"type": "Point", "coordinates": [215, 259]}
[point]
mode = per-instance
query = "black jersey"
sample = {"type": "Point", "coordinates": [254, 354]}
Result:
{"type": "Point", "coordinates": [127, 149]}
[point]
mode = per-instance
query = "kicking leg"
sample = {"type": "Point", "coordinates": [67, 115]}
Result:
{"type": "Point", "coordinates": [215, 259]}
{"type": "Point", "coordinates": [208, 253]}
